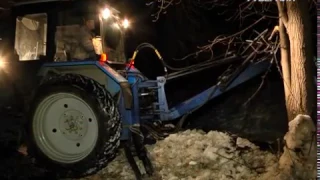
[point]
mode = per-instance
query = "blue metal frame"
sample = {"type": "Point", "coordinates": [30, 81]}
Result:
{"type": "Point", "coordinates": [160, 110]}
{"type": "Point", "coordinates": [196, 101]}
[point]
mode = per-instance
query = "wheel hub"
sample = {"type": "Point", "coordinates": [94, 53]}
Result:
{"type": "Point", "coordinates": [73, 124]}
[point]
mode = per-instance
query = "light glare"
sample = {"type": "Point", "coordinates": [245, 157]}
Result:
{"type": "Point", "coordinates": [125, 23]}
{"type": "Point", "coordinates": [106, 13]}
{"type": "Point", "coordinates": [2, 64]}
{"type": "Point", "coordinates": [116, 25]}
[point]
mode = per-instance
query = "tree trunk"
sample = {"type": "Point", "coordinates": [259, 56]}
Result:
{"type": "Point", "coordinates": [302, 96]}
{"type": "Point", "coordinates": [285, 59]}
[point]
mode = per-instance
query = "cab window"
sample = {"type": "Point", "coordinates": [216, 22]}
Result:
{"type": "Point", "coordinates": [67, 37]}
{"type": "Point", "coordinates": [31, 36]}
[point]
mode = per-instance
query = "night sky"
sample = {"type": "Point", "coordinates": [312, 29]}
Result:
{"type": "Point", "coordinates": [179, 31]}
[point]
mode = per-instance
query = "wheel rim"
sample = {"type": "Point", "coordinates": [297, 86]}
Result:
{"type": "Point", "coordinates": [65, 128]}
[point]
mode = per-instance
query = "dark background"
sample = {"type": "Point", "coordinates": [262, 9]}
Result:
{"type": "Point", "coordinates": [178, 33]}
{"type": "Point", "coordinates": [175, 34]}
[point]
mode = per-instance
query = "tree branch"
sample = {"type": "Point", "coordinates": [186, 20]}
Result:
{"type": "Point", "coordinates": [220, 39]}
{"type": "Point", "coordinates": [162, 6]}
{"type": "Point", "coordinates": [261, 84]}
{"type": "Point", "coordinates": [282, 13]}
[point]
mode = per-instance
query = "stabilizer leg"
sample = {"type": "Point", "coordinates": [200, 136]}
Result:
{"type": "Point", "coordinates": [142, 153]}
{"type": "Point", "coordinates": [132, 162]}
{"type": "Point", "coordinates": [135, 147]}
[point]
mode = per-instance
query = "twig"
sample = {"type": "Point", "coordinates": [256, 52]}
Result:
{"type": "Point", "coordinates": [162, 6]}
{"type": "Point", "coordinates": [282, 13]}
{"type": "Point", "coordinates": [260, 86]}
{"type": "Point", "coordinates": [219, 39]}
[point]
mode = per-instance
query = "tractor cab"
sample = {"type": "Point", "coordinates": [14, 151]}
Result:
{"type": "Point", "coordinates": [48, 31]}
{"type": "Point", "coordinates": [53, 31]}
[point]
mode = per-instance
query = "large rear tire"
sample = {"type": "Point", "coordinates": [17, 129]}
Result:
{"type": "Point", "coordinates": [74, 126]}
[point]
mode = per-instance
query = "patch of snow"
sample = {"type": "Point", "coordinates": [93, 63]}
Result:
{"type": "Point", "coordinates": [196, 155]}
{"type": "Point", "coordinates": [241, 142]}
{"type": "Point", "coordinates": [299, 159]}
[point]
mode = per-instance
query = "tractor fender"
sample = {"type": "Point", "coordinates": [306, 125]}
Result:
{"type": "Point", "coordinates": [114, 82]}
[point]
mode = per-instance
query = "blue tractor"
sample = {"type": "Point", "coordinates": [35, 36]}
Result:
{"type": "Point", "coordinates": [79, 110]}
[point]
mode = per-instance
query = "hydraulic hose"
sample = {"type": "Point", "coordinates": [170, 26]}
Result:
{"type": "Point", "coordinates": [147, 45]}
{"type": "Point", "coordinates": [165, 65]}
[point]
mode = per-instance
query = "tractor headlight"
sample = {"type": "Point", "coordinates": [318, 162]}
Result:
{"type": "Point", "coordinates": [106, 13]}
{"type": "Point", "coordinates": [2, 63]}
{"type": "Point", "coordinates": [125, 23]}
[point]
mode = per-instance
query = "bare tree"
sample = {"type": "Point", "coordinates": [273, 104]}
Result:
{"type": "Point", "coordinates": [297, 57]}
{"type": "Point", "coordinates": [294, 27]}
